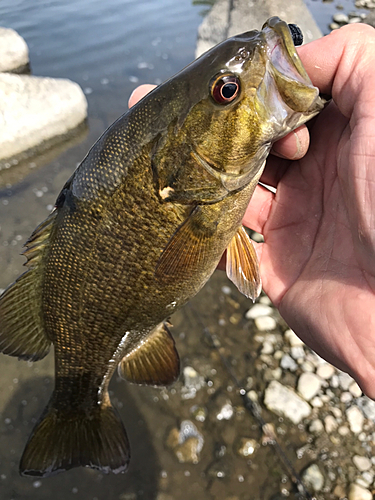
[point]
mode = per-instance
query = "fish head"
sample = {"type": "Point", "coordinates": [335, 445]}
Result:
{"type": "Point", "coordinates": [240, 97]}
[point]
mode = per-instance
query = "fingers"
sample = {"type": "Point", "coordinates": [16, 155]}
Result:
{"type": "Point", "coordinates": [258, 211]}
{"type": "Point", "coordinates": [138, 93]}
{"type": "Point", "coordinates": [294, 145]}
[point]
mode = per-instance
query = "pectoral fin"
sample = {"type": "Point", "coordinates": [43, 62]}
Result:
{"type": "Point", "coordinates": [242, 265]}
{"type": "Point", "coordinates": [155, 361]}
{"type": "Point", "coordinates": [188, 247]}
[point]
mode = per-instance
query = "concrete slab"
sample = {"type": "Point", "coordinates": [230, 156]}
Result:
{"type": "Point", "coordinates": [14, 53]}
{"type": "Point", "coordinates": [230, 17]}
{"type": "Point", "coordinates": [35, 109]}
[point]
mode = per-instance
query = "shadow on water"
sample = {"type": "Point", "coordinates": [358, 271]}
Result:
{"type": "Point", "coordinates": [19, 417]}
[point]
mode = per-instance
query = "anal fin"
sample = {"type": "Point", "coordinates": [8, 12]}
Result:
{"type": "Point", "coordinates": [154, 361]}
{"type": "Point", "coordinates": [242, 264]}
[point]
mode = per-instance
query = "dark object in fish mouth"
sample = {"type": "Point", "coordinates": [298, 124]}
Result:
{"type": "Point", "coordinates": [296, 34]}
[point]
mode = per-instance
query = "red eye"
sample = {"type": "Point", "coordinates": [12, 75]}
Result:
{"type": "Point", "coordinates": [225, 89]}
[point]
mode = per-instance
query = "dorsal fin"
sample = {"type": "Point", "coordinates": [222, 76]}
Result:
{"type": "Point", "coordinates": [21, 328]}
{"type": "Point", "coordinates": [242, 264]}
{"type": "Point", "coordinates": [154, 361]}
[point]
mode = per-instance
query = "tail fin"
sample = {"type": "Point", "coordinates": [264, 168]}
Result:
{"type": "Point", "coordinates": [62, 441]}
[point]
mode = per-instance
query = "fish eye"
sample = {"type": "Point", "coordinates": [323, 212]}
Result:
{"type": "Point", "coordinates": [225, 88]}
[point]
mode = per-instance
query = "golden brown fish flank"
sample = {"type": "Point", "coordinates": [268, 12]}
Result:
{"type": "Point", "coordinates": [137, 231]}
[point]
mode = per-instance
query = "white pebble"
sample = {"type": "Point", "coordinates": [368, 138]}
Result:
{"type": "Point", "coordinates": [226, 412]}
{"type": "Point", "coordinates": [345, 381]}
{"type": "Point", "coordinates": [258, 310]}
{"type": "Point", "coordinates": [293, 339]}
{"type": "Point", "coordinates": [288, 363]}
{"type": "Point", "coordinates": [362, 463]}
{"type": "Point", "coordinates": [334, 382]}
{"type": "Point", "coordinates": [368, 477]}
{"type": "Point", "coordinates": [297, 352]}
{"type": "Point", "coordinates": [355, 390]}
{"type": "Point", "coordinates": [340, 18]}
{"type": "Point", "coordinates": [325, 371]}
{"type": "Point", "coordinates": [308, 385]}
{"type": "Point", "coordinates": [265, 323]}
{"type": "Point", "coordinates": [330, 424]}
{"type": "Point", "coordinates": [356, 492]}
{"type": "Point", "coordinates": [313, 477]}
{"type": "Point", "coordinates": [307, 366]}
{"type": "Point", "coordinates": [267, 348]}
{"type": "Point", "coordinates": [343, 430]}
{"type": "Point", "coordinates": [355, 418]}
{"type": "Point", "coordinates": [317, 402]}
{"type": "Point", "coordinates": [346, 397]}
{"type": "Point", "coordinates": [284, 401]}
{"type": "Point", "coordinates": [316, 427]}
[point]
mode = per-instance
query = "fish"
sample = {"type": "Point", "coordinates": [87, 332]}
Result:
{"type": "Point", "coordinates": [139, 228]}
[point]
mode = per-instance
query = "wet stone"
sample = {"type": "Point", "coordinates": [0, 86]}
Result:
{"type": "Point", "coordinates": [325, 371]}
{"type": "Point", "coordinates": [340, 18]}
{"type": "Point", "coordinates": [288, 363]}
{"type": "Point", "coordinates": [259, 310]}
{"type": "Point", "coordinates": [355, 419]}
{"type": "Point", "coordinates": [293, 339]}
{"type": "Point", "coordinates": [362, 463]}
{"type": "Point", "coordinates": [330, 424]}
{"type": "Point", "coordinates": [297, 352]}
{"type": "Point", "coordinates": [192, 383]}
{"type": "Point", "coordinates": [313, 478]}
{"type": "Point", "coordinates": [357, 492]}
{"type": "Point", "coordinates": [345, 381]}
{"type": "Point", "coordinates": [316, 427]}
{"type": "Point", "coordinates": [226, 412]}
{"type": "Point", "coordinates": [346, 397]}
{"type": "Point", "coordinates": [355, 390]}
{"type": "Point", "coordinates": [247, 447]}
{"type": "Point", "coordinates": [265, 323]}
{"type": "Point", "coordinates": [186, 443]}
{"type": "Point", "coordinates": [367, 406]}
{"type": "Point", "coordinates": [308, 385]}
{"type": "Point", "coordinates": [284, 401]}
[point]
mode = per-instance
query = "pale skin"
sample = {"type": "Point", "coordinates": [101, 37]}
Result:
{"type": "Point", "coordinates": [318, 259]}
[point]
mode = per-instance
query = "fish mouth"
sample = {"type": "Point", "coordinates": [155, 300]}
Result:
{"type": "Point", "coordinates": [282, 51]}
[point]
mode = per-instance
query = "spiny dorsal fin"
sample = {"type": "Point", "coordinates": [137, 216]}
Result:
{"type": "Point", "coordinates": [242, 264]}
{"type": "Point", "coordinates": [188, 247]}
{"type": "Point", "coordinates": [21, 330]}
{"type": "Point", "coordinates": [155, 361]}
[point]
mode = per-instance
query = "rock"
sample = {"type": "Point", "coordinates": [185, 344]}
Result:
{"type": "Point", "coordinates": [343, 430]}
{"type": "Point", "coordinates": [308, 385]}
{"type": "Point", "coordinates": [345, 381]}
{"type": "Point", "coordinates": [247, 447]}
{"type": "Point", "coordinates": [370, 19]}
{"type": "Point", "coordinates": [334, 26]}
{"type": "Point", "coordinates": [334, 382]}
{"type": "Point", "coordinates": [346, 397]}
{"type": "Point", "coordinates": [284, 401]}
{"type": "Point", "coordinates": [288, 363]}
{"type": "Point", "coordinates": [317, 402]}
{"type": "Point", "coordinates": [193, 381]}
{"type": "Point", "coordinates": [340, 18]}
{"type": "Point", "coordinates": [355, 418]}
{"type": "Point", "coordinates": [355, 390]}
{"type": "Point", "coordinates": [313, 478]}
{"type": "Point", "coordinates": [14, 54]}
{"type": "Point", "coordinates": [316, 427]}
{"type": "Point", "coordinates": [186, 443]}
{"type": "Point", "coordinates": [325, 371]}
{"type": "Point", "coordinates": [362, 463]}
{"type": "Point", "coordinates": [330, 424]}
{"type": "Point", "coordinates": [265, 323]}
{"type": "Point", "coordinates": [34, 110]}
{"type": "Point", "coordinates": [367, 406]}
{"type": "Point", "coordinates": [258, 310]}
{"type": "Point", "coordinates": [367, 478]}
{"type": "Point", "coordinates": [307, 366]}
{"type": "Point", "coordinates": [293, 339]}
{"type": "Point", "coordinates": [354, 20]}
{"type": "Point", "coordinates": [222, 21]}
{"type": "Point", "coordinates": [356, 492]}
{"type": "Point", "coordinates": [226, 412]}
{"type": "Point", "coordinates": [297, 352]}
{"type": "Point", "coordinates": [267, 348]}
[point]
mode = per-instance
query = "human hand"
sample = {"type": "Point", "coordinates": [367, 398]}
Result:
{"type": "Point", "coordinates": [318, 259]}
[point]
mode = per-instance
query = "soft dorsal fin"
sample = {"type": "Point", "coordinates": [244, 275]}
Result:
{"type": "Point", "coordinates": [21, 330]}
{"type": "Point", "coordinates": [188, 248]}
{"type": "Point", "coordinates": [242, 264]}
{"type": "Point", "coordinates": [154, 361]}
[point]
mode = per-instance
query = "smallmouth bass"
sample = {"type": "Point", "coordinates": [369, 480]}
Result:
{"type": "Point", "coordinates": [138, 230]}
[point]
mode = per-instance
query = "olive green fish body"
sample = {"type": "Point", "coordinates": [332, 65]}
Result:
{"type": "Point", "coordinates": [138, 230]}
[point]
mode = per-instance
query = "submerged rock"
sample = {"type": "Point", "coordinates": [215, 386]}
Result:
{"type": "Point", "coordinates": [284, 401]}
{"type": "Point", "coordinates": [313, 478]}
{"type": "Point", "coordinates": [14, 54]}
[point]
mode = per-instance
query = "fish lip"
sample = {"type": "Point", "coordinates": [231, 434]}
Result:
{"type": "Point", "coordinates": [281, 50]}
